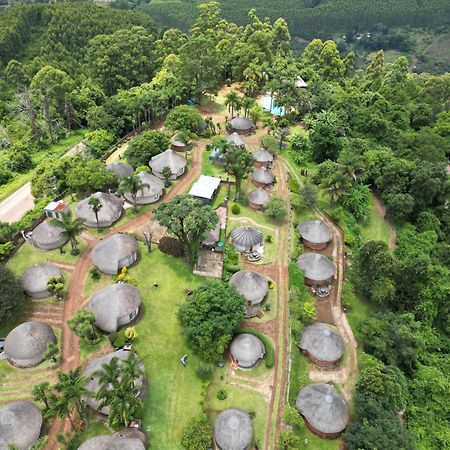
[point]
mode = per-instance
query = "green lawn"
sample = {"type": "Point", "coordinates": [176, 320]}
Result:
{"type": "Point", "coordinates": [96, 428]}
{"type": "Point", "coordinates": [375, 228]}
{"type": "Point", "coordinates": [211, 169]}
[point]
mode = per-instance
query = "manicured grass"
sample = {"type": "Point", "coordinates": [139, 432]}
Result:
{"type": "Point", "coordinates": [96, 428]}
{"type": "Point", "coordinates": [375, 228]}
{"type": "Point", "coordinates": [211, 169]}
{"type": "Point", "coordinates": [86, 349]}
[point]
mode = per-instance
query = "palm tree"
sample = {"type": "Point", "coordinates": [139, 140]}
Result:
{"type": "Point", "coordinates": [41, 393]}
{"type": "Point", "coordinates": [71, 229]}
{"type": "Point", "coordinates": [233, 102]}
{"type": "Point", "coordinates": [247, 103]}
{"type": "Point", "coordinates": [282, 132]}
{"type": "Point", "coordinates": [350, 164]}
{"type": "Point", "coordinates": [96, 205]}
{"type": "Point", "coordinates": [132, 184]}
{"type": "Point", "coordinates": [337, 186]}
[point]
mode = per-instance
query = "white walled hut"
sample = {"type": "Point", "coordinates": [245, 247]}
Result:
{"type": "Point", "coordinates": [253, 287]}
{"type": "Point", "coordinates": [112, 442]}
{"type": "Point", "coordinates": [171, 159]}
{"type": "Point", "coordinates": [325, 412]}
{"type": "Point", "coordinates": [242, 125]}
{"type": "Point", "coordinates": [47, 236]}
{"type": "Point", "coordinates": [246, 239]}
{"type": "Point", "coordinates": [262, 177]}
{"type": "Point", "coordinates": [26, 344]}
{"type": "Point", "coordinates": [150, 194]}
{"type": "Point", "coordinates": [246, 350]}
{"type": "Point", "coordinates": [35, 279]}
{"type": "Point", "coordinates": [322, 344]}
{"type": "Point", "coordinates": [263, 158]}
{"type": "Point", "coordinates": [258, 198]}
{"type": "Point", "coordinates": [110, 211]}
{"type": "Point", "coordinates": [233, 430]}
{"type": "Point", "coordinates": [315, 234]}
{"type": "Point", "coordinates": [236, 139]}
{"type": "Point", "coordinates": [93, 384]}
{"type": "Point", "coordinates": [20, 424]}
{"type": "Point", "coordinates": [318, 269]}
{"type": "Point", "coordinates": [115, 306]}
{"type": "Point", "coordinates": [115, 252]}
{"type": "Point", "coordinates": [120, 169]}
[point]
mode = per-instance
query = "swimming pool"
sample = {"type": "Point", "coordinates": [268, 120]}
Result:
{"type": "Point", "coordinates": [276, 110]}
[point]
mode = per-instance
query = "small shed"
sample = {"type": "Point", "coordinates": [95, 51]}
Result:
{"type": "Point", "coordinates": [233, 430]}
{"type": "Point", "coordinates": [47, 236]}
{"type": "Point", "coordinates": [177, 144]}
{"type": "Point", "coordinates": [171, 159]}
{"type": "Point", "coordinates": [325, 412]}
{"type": "Point", "coordinates": [315, 234]}
{"type": "Point", "coordinates": [110, 211]}
{"type": "Point", "coordinates": [262, 177]}
{"type": "Point", "coordinates": [115, 306]}
{"type": "Point", "coordinates": [300, 82]}
{"type": "Point", "coordinates": [322, 344]}
{"type": "Point", "coordinates": [205, 188]}
{"type": "Point", "coordinates": [246, 239]}
{"type": "Point", "coordinates": [217, 157]}
{"type": "Point", "coordinates": [236, 139]}
{"type": "Point", "coordinates": [20, 424]}
{"type": "Point", "coordinates": [258, 198]}
{"type": "Point", "coordinates": [242, 125]}
{"type": "Point", "coordinates": [246, 350]}
{"type": "Point", "coordinates": [318, 269]}
{"type": "Point", "coordinates": [120, 169]}
{"type": "Point", "coordinates": [115, 252]}
{"type": "Point", "coordinates": [212, 236]}
{"type": "Point", "coordinates": [26, 344]}
{"type": "Point", "coordinates": [253, 287]}
{"type": "Point", "coordinates": [112, 442]}
{"type": "Point", "coordinates": [263, 158]}
{"type": "Point", "coordinates": [35, 279]}
{"type": "Point", "coordinates": [56, 209]}
{"type": "Point", "coordinates": [150, 194]}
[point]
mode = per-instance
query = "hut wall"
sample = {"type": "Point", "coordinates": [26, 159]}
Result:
{"type": "Point", "coordinates": [261, 185]}
{"type": "Point", "coordinates": [259, 164]}
{"type": "Point", "coordinates": [320, 433]}
{"type": "Point", "coordinates": [217, 447]}
{"type": "Point", "coordinates": [315, 246]}
{"type": "Point", "coordinates": [23, 363]}
{"type": "Point", "coordinates": [125, 320]}
{"type": "Point", "coordinates": [38, 295]}
{"type": "Point", "coordinates": [148, 200]}
{"type": "Point", "coordinates": [255, 206]}
{"type": "Point", "coordinates": [179, 148]}
{"type": "Point", "coordinates": [244, 132]}
{"type": "Point", "coordinates": [310, 282]}
{"type": "Point", "coordinates": [128, 261]}
{"type": "Point", "coordinates": [51, 246]}
{"type": "Point", "coordinates": [318, 362]}
{"type": "Point", "coordinates": [172, 177]}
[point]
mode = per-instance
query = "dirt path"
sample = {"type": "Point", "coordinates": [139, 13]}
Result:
{"type": "Point", "coordinates": [14, 207]}
{"type": "Point", "coordinates": [381, 211]}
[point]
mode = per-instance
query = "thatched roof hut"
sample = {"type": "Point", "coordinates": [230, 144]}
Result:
{"type": "Point", "coordinates": [315, 234]}
{"type": "Point", "coordinates": [120, 169]}
{"type": "Point", "coordinates": [150, 194]}
{"type": "Point", "coordinates": [258, 198]}
{"type": "Point", "coordinates": [20, 424]}
{"type": "Point", "coordinates": [318, 269]}
{"type": "Point", "coordinates": [324, 410]}
{"type": "Point", "coordinates": [177, 144]}
{"type": "Point", "coordinates": [171, 159]}
{"type": "Point", "coordinates": [245, 238]}
{"type": "Point", "coordinates": [110, 211]}
{"type": "Point", "coordinates": [112, 442]}
{"type": "Point", "coordinates": [262, 177]}
{"type": "Point", "coordinates": [26, 344]}
{"type": "Point", "coordinates": [93, 384]}
{"type": "Point", "coordinates": [236, 140]}
{"type": "Point", "coordinates": [114, 253]}
{"type": "Point", "coordinates": [263, 158]}
{"type": "Point", "coordinates": [252, 285]}
{"type": "Point", "coordinates": [47, 236]}
{"type": "Point", "coordinates": [322, 344]}
{"type": "Point", "coordinates": [247, 350]}
{"type": "Point", "coordinates": [35, 279]}
{"type": "Point", "coordinates": [242, 125]}
{"type": "Point", "coordinates": [233, 430]}
{"type": "Point", "coordinates": [115, 306]}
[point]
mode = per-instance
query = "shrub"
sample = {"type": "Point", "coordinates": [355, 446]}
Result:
{"type": "Point", "coordinates": [269, 358]}
{"type": "Point", "coordinates": [204, 372]}
{"type": "Point", "coordinates": [120, 339]}
{"type": "Point", "coordinates": [293, 185]}
{"type": "Point", "coordinates": [149, 143]}
{"type": "Point", "coordinates": [131, 333]}
{"type": "Point", "coordinates": [235, 209]}
{"type": "Point", "coordinates": [142, 169]}
{"type": "Point", "coordinates": [94, 273]}
{"type": "Point", "coordinates": [197, 434]}
{"type": "Point", "coordinates": [184, 118]}
{"type": "Point", "coordinates": [275, 208]}
{"type": "Point", "coordinates": [268, 238]}
{"type": "Point", "coordinates": [171, 246]}
{"type": "Point", "coordinates": [222, 394]}
{"type": "Point", "coordinates": [98, 141]}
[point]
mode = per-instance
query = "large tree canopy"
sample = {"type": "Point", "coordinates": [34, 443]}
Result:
{"type": "Point", "coordinates": [143, 147]}
{"type": "Point", "coordinates": [11, 293]}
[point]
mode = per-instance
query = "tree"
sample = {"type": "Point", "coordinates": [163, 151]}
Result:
{"type": "Point", "coordinates": [197, 434]}
{"type": "Point", "coordinates": [239, 163]}
{"type": "Point", "coordinates": [143, 147]}
{"type": "Point", "coordinates": [132, 184]}
{"type": "Point", "coordinates": [55, 285]}
{"type": "Point", "coordinates": [184, 118]}
{"type": "Point", "coordinates": [72, 228]}
{"type": "Point", "coordinates": [42, 393]}
{"type": "Point", "coordinates": [52, 352]}
{"type": "Point", "coordinates": [82, 324]}
{"type": "Point", "coordinates": [166, 173]}
{"type": "Point", "coordinates": [309, 194]}
{"type": "Point", "coordinates": [96, 205]}
{"type": "Point", "coordinates": [11, 293]}
{"type": "Point", "coordinates": [98, 141]}
{"type": "Point", "coordinates": [233, 102]}
{"type": "Point", "coordinates": [210, 317]}
{"type": "Point", "coordinates": [338, 186]}
{"type": "Point", "coordinates": [275, 208]}
{"type": "Point", "coordinates": [188, 219]}
{"type": "Point", "coordinates": [282, 132]}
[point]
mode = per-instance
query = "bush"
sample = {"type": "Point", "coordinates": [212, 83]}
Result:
{"type": "Point", "coordinates": [235, 209]}
{"type": "Point", "coordinates": [222, 394]}
{"type": "Point", "coordinates": [293, 185]}
{"type": "Point", "coordinates": [184, 118]}
{"type": "Point", "coordinates": [268, 238]}
{"type": "Point", "coordinates": [275, 208]}
{"type": "Point", "coordinates": [204, 372]}
{"type": "Point", "coordinates": [98, 141]}
{"type": "Point", "coordinates": [142, 169]}
{"type": "Point", "coordinates": [94, 274]}
{"type": "Point", "coordinates": [269, 358]}
{"type": "Point", "coordinates": [197, 435]}
{"type": "Point", "coordinates": [171, 246]}
{"type": "Point", "coordinates": [143, 147]}
{"type": "Point", "coordinates": [120, 339]}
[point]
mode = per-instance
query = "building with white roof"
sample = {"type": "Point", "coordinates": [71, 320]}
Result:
{"type": "Point", "coordinates": [205, 188]}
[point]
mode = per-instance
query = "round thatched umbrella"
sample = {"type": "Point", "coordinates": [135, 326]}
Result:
{"type": "Point", "coordinates": [315, 234]}
{"type": "Point", "coordinates": [171, 159]}
{"type": "Point", "coordinates": [115, 306]}
{"type": "Point", "coordinates": [242, 125]}
{"type": "Point", "coordinates": [263, 158]}
{"type": "Point", "coordinates": [233, 430]}
{"type": "Point", "coordinates": [258, 198]}
{"type": "Point", "coordinates": [150, 194]}
{"type": "Point", "coordinates": [35, 279]}
{"type": "Point", "coordinates": [236, 140]}
{"type": "Point", "coordinates": [247, 350]}
{"type": "Point", "coordinates": [112, 442]}
{"type": "Point", "coordinates": [253, 286]}
{"type": "Point", "coordinates": [48, 237]}
{"type": "Point", "coordinates": [318, 269]}
{"type": "Point", "coordinates": [245, 238]}
{"type": "Point", "coordinates": [322, 344]}
{"type": "Point", "coordinates": [262, 177]}
{"type": "Point", "coordinates": [110, 211]}
{"type": "Point", "coordinates": [20, 424]}
{"type": "Point", "coordinates": [120, 169]}
{"type": "Point", "coordinates": [114, 253]}
{"type": "Point", "coordinates": [26, 344]}
{"type": "Point", "coordinates": [324, 410]}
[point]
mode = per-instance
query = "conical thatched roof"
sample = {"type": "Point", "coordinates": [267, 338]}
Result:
{"type": "Point", "coordinates": [115, 252]}
{"type": "Point", "coordinates": [263, 156]}
{"type": "Point", "coordinates": [20, 424]}
{"type": "Point", "coordinates": [48, 237]}
{"type": "Point", "coordinates": [93, 384]}
{"type": "Point", "coordinates": [246, 236]}
{"type": "Point", "coordinates": [235, 139]}
{"type": "Point", "coordinates": [112, 303]}
{"type": "Point", "coordinates": [28, 342]}
{"type": "Point", "coordinates": [176, 141]}
{"type": "Point", "coordinates": [315, 231]}
{"type": "Point", "coordinates": [316, 266]}
{"type": "Point", "coordinates": [112, 443]}
{"type": "Point", "coordinates": [242, 124]}
{"type": "Point", "coordinates": [168, 158]}
{"type": "Point", "coordinates": [263, 176]}
{"type": "Point", "coordinates": [35, 279]}
{"type": "Point", "coordinates": [149, 194]}
{"type": "Point", "coordinates": [110, 211]}
{"type": "Point", "coordinates": [252, 285]}
{"type": "Point", "coordinates": [233, 429]}
{"type": "Point", "coordinates": [322, 342]}
{"type": "Point", "coordinates": [323, 408]}
{"type": "Point", "coordinates": [247, 349]}
{"type": "Point", "coordinates": [120, 169]}
{"type": "Point", "coordinates": [259, 197]}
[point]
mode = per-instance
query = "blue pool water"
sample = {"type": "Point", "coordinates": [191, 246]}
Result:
{"type": "Point", "coordinates": [276, 110]}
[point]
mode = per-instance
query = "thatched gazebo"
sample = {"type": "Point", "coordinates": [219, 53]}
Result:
{"type": "Point", "coordinates": [236, 139]}
{"type": "Point", "coordinates": [177, 144]}
{"type": "Point", "coordinates": [263, 158]}
{"type": "Point", "coordinates": [253, 287]}
{"type": "Point", "coordinates": [246, 350]}
{"type": "Point", "coordinates": [325, 412]}
{"type": "Point", "coordinates": [318, 269]}
{"type": "Point", "coordinates": [114, 253]}
{"type": "Point", "coordinates": [262, 177]}
{"type": "Point", "coordinates": [35, 279]}
{"type": "Point", "coordinates": [150, 194]}
{"type": "Point", "coordinates": [315, 234]}
{"type": "Point", "coordinates": [322, 344]}
{"type": "Point", "coordinates": [112, 442]}
{"type": "Point", "coordinates": [171, 159]}
{"type": "Point", "coordinates": [110, 211]}
{"type": "Point", "coordinates": [26, 344]}
{"type": "Point", "coordinates": [242, 125]}
{"type": "Point", "coordinates": [246, 239]}
{"type": "Point", "coordinates": [20, 424]}
{"type": "Point", "coordinates": [258, 198]}
{"type": "Point", "coordinates": [233, 430]}
{"type": "Point", "coordinates": [120, 169]}
{"type": "Point", "coordinates": [47, 236]}
{"type": "Point", "coordinates": [115, 306]}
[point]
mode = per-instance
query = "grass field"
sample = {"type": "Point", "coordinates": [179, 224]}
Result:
{"type": "Point", "coordinates": [375, 228]}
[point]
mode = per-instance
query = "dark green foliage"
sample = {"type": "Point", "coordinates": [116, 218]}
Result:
{"type": "Point", "coordinates": [184, 118]}
{"type": "Point", "coordinates": [269, 357]}
{"type": "Point", "coordinates": [198, 434]}
{"type": "Point", "coordinates": [204, 372]}
{"type": "Point", "coordinates": [171, 246]}
{"type": "Point", "coordinates": [11, 293]}
{"type": "Point", "coordinates": [143, 147]}
{"type": "Point", "coordinates": [235, 209]}
{"type": "Point", "coordinates": [222, 394]}
{"type": "Point", "coordinates": [98, 141]}
{"type": "Point", "coordinates": [275, 208]}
